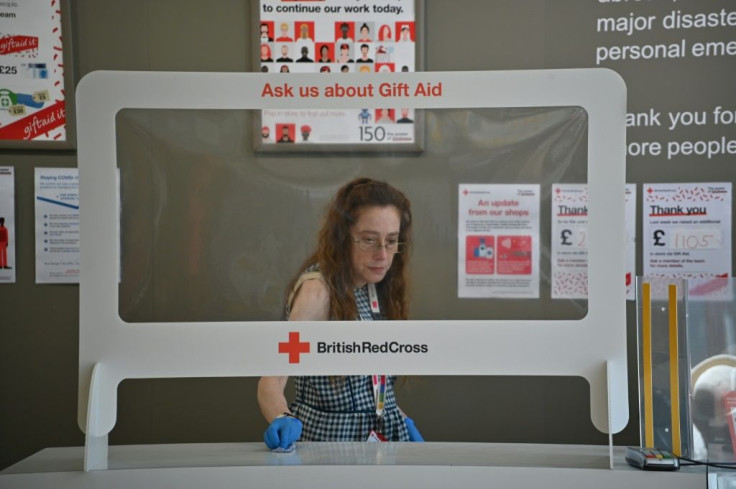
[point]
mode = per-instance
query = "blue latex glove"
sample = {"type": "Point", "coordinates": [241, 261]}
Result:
{"type": "Point", "coordinates": [282, 432]}
{"type": "Point", "coordinates": [414, 434]}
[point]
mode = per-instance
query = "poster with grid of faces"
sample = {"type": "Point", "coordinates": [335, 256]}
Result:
{"type": "Point", "coordinates": [337, 36]}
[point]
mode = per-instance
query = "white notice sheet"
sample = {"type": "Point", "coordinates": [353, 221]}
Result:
{"type": "Point", "coordinates": [7, 225]}
{"type": "Point", "coordinates": [687, 233]}
{"type": "Point", "coordinates": [569, 250]}
{"type": "Point", "coordinates": [498, 240]}
{"type": "Point", "coordinates": [57, 225]}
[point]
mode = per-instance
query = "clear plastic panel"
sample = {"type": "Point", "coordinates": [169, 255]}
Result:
{"type": "Point", "coordinates": [664, 365]}
{"type": "Point", "coordinates": [712, 340]}
{"type": "Point", "coordinates": [706, 359]}
{"type": "Point", "coordinates": [213, 230]}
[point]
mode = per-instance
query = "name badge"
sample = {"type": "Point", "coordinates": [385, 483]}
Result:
{"type": "Point", "coordinates": [375, 437]}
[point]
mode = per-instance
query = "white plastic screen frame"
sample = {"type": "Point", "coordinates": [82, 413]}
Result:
{"type": "Point", "coordinates": [593, 347]}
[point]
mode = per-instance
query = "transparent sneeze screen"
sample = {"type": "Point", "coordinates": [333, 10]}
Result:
{"type": "Point", "coordinates": [213, 230]}
{"type": "Point", "coordinates": [711, 336]}
{"type": "Point", "coordinates": [687, 361]}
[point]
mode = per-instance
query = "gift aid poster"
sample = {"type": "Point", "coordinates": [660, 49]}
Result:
{"type": "Point", "coordinates": [338, 36]}
{"type": "Point", "coordinates": [32, 98]}
{"type": "Point", "coordinates": [498, 241]}
{"type": "Point", "coordinates": [687, 233]}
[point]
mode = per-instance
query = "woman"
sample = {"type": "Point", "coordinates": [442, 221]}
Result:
{"type": "Point", "coordinates": [284, 37]}
{"type": "Point", "coordinates": [304, 33]}
{"type": "Point", "coordinates": [344, 56]}
{"type": "Point", "coordinates": [365, 33]}
{"type": "Point", "coordinates": [383, 116]}
{"type": "Point", "coordinates": [362, 251]}
{"type": "Point", "coordinates": [324, 54]}
{"type": "Point", "coordinates": [266, 53]}
{"type": "Point", "coordinates": [384, 33]}
{"type": "Point", "coordinates": [405, 33]}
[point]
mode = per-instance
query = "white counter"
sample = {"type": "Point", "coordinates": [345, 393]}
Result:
{"type": "Point", "coordinates": [353, 465]}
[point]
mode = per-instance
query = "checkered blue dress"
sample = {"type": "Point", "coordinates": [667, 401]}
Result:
{"type": "Point", "coordinates": [343, 408]}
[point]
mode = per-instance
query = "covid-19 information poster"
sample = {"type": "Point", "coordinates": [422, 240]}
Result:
{"type": "Point", "coordinates": [7, 225]}
{"type": "Point", "coordinates": [687, 230]}
{"type": "Point", "coordinates": [57, 225]}
{"type": "Point", "coordinates": [338, 36]}
{"type": "Point", "coordinates": [32, 102]}
{"type": "Point", "coordinates": [569, 247]}
{"type": "Point", "coordinates": [498, 241]}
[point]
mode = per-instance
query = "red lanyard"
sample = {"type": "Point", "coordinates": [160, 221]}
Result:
{"type": "Point", "coordinates": [379, 381]}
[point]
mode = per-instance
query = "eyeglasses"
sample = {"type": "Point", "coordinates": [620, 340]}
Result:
{"type": "Point", "coordinates": [373, 245]}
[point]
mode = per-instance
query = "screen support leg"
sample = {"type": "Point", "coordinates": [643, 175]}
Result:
{"type": "Point", "coordinates": [609, 395]}
{"type": "Point", "coordinates": [95, 445]}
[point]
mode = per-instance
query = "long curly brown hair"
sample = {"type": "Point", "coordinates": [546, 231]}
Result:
{"type": "Point", "coordinates": [334, 244]}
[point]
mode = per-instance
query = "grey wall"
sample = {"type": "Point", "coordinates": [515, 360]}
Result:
{"type": "Point", "coordinates": [38, 330]}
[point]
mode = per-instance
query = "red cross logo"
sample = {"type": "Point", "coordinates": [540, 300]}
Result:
{"type": "Point", "coordinates": [293, 347]}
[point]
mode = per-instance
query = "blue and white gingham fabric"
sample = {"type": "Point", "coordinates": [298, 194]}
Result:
{"type": "Point", "coordinates": [343, 408]}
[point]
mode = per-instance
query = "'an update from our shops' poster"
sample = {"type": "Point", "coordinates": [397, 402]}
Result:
{"type": "Point", "coordinates": [569, 249]}
{"type": "Point", "coordinates": [57, 225]}
{"type": "Point", "coordinates": [32, 98]}
{"type": "Point", "coordinates": [687, 232]}
{"type": "Point", "coordinates": [339, 36]}
{"type": "Point", "coordinates": [7, 225]}
{"type": "Point", "coordinates": [498, 241]}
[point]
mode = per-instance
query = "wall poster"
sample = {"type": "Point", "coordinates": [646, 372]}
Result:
{"type": "Point", "coordinates": [569, 248]}
{"type": "Point", "coordinates": [7, 225]}
{"type": "Point", "coordinates": [32, 78]}
{"type": "Point", "coordinates": [57, 225]}
{"type": "Point", "coordinates": [687, 234]}
{"type": "Point", "coordinates": [498, 241]}
{"type": "Point", "coordinates": [339, 36]}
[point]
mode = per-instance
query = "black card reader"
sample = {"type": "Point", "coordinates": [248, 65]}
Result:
{"type": "Point", "coordinates": [651, 459]}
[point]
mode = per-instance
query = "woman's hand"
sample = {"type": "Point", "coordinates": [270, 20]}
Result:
{"type": "Point", "coordinates": [282, 432]}
{"type": "Point", "coordinates": [414, 434]}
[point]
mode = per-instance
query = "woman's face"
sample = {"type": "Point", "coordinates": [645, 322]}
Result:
{"type": "Point", "coordinates": [324, 51]}
{"type": "Point", "coordinates": [379, 223]}
{"type": "Point", "coordinates": [264, 51]}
